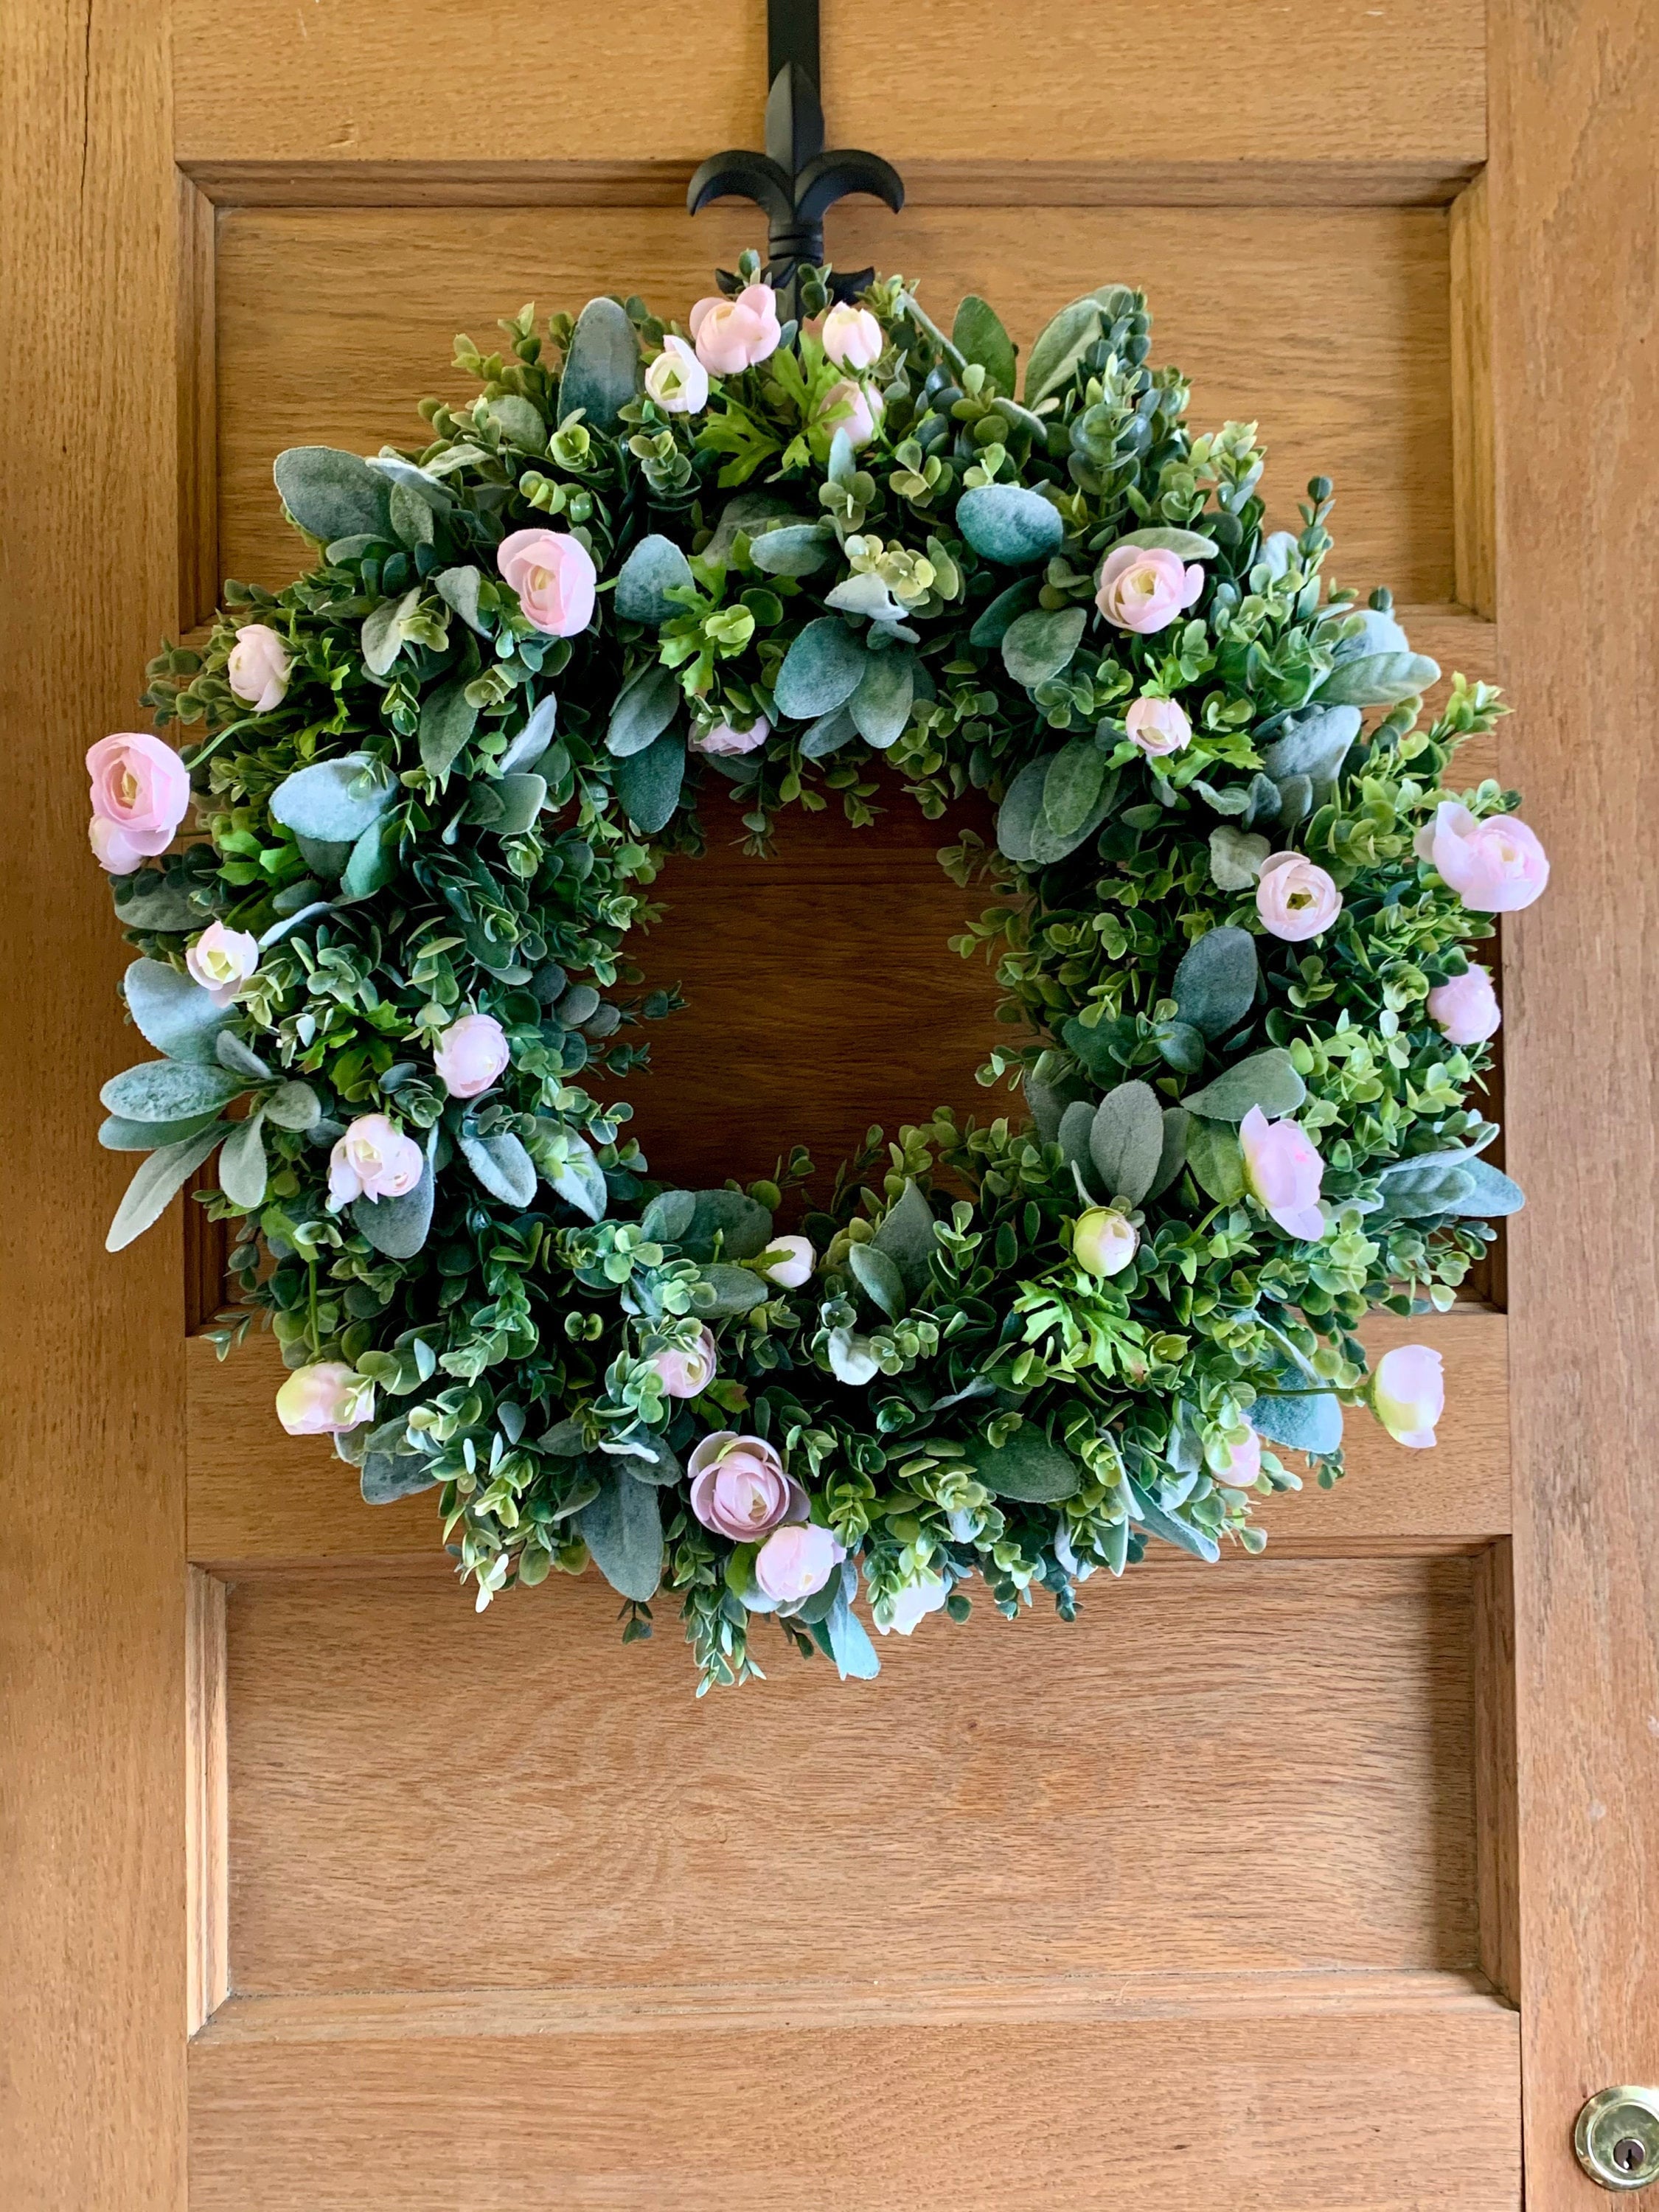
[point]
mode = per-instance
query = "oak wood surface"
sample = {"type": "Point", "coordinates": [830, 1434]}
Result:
{"type": "Point", "coordinates": [1337, 2112]}
{"type": "Point", "coordinates": [1575, 359]}
{"type": "Point", "coordinates": [260, 1498]}
{"type": "Point", "coordinates": [207, 1799]}
{"type": "Point", "coordinates": [1342, 83]}
{"type": "Point", "coordinates": [92, 1646]}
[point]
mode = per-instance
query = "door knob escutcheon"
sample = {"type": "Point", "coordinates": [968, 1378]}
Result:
{"type": "Point", "coordinates": [1617, 2137]}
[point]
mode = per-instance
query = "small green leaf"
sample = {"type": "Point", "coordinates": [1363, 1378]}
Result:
{"type": "Point", "coordinates": [1268, 1080]}
{"type": "Point", "coordinates": [978, 335]}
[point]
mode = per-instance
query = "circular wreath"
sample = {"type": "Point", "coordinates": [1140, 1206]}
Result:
{"type": "Point", "coordinates": [438, 774]}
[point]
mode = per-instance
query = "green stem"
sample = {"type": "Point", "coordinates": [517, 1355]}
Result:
{"type": "Point", "coordinates": [316, 1342]}
{"type": "Point", "coordinates": [908, 307]}
{"type": "Point", "coordinates": [211, 744]}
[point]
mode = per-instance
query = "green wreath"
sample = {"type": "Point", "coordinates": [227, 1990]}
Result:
{"type": "Point", "coordinates": [438, 774]}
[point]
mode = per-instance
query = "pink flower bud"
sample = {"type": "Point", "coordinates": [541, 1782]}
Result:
{"type": "Point", "coordinates": [1158, 725]}
{"type": "Point", "coordinates": [795, 1561]}
{"type": "Point", "coordinates": [855, 408]}
{"type": "Point", "coordinates": [1465, 1008]}
{"type": "Point", "coordinates": [729, 737]}
{"type": "Point", "coordinates": [259, 667]}
{"type": "Point", "coordinates": [1408, 1393]}
{"type": "Point", "coordinates": [1282, 1172]}
{"type": "Point", "coordinates": [911, 1604]}
{"type": "Point", "coordinates": [1104, 1241]}
{"type": "Point", "coordinates": [788, 1261]}
{"type": "Point", "coordinates": [676, 379]}
{"type": "Point", "coordinates": [470, 1054]}
{"type": "Point", "coordinates": [852, 337]}
{"type": "Point", "coordinates": [222, 960]}
{"type": "Point", "coordinates": [1242, 1463]}
{"type": "Point", "coordinates": [325, 1399]}
{"type": "Point", "coordinates": [685, 1372]}
{"type": "Point", "coordinates": [739, 1489]}
{"type": "Point", "coordinates": [1145, 587]}
{"type": "Point", "coordinates": [554, 576]}
{"type": "Point", "coordinates": [140, 794]}
{"type": "Point", "coordinates": [1295, 897]}
{"type": "Point", "coordinates": [372, 1160]}
{"type": "Point", "coordinates": [1496, 866]}
{"type": "Point", "coordinates": [733, 335]}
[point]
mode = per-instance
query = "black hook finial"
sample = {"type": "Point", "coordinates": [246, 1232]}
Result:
{"type": "Point", "coordinates": [794, 182]}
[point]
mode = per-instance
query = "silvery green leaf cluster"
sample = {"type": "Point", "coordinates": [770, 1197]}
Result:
{"type": "Point", "coordinates": [452, 812]}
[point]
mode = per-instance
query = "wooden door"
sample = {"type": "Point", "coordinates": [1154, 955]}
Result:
{"type": "Point", "coordinates": [1312, 1882]}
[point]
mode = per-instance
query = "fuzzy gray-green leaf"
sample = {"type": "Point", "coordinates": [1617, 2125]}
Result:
{"type": "Point", "coordinates": [643, 710]}
{"type": "Point", "coordinates": [1268, 1080]}
{"type": "Point", "coordinates": [654, 567]}
{"type": "Point", "coordinates": [173, 1012]}
{"type": "Point", "coordinates": [821, 670]}
{"type": "Point", "coordinates": [152, 1188]}
{"type": "Point", "coordinates": [1009, 524]}
{"type": "Point", "coordinates": [602, 367]}
{"type": "Point", "coordinates": [977, 334]}
{"type": "Point", "coordinates": [1215, 985]}
{"type": "Point", "coordinates": [648, 783]}
{"type": "Point", "coordinates": [1039, 645]}
{"type": "Point", "coordinates": [623, 1529]}
{"type": "Point", "coordinates": [880, 708]}
{"type": "Point", "coordinates": [334, 801]}
{"type": "Point", "coordinates": [1127, 1140]}
{"type": "Point", "coordinates": [1027, 1468]}
{"type": "Point", "coordinates": [332, 494]}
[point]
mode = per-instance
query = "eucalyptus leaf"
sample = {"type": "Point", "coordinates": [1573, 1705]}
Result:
{"type": "Point", "coordinates": [1009, 524]}
{"type": "Point", "coordinates": [243, 1169]}
{"type": "Point", "coordinates": [170, 1090]}
{"type": "Point", "coordinates": [648, 784]}
{"type": "Point", "coordinates": [654, 567]}
{"type": "Point", "coordinates": [821, 670]}
{"type": "Point", "coordinates": [173, 1011]}
{"type": "Point", "coordinates": [449, 719]}
{"type": "Point", "coordinates": [1125, 1141]}
{"type": "Point", "coordinates": [1039, 645]}
{"type": "Point", "coordinates": [1026, 1468]}
{"type": "Point", "coordinates": [643, 710]}
{"type": "Point", "coordinates": [397, 1226]}
{"type": "Point", "coordinates": [332, 494]}
{"type": "Point", "coordinates": [796, 549]}
{"type": "Point", "coordinates": [1268, 1080]}
{"type": "Point", "coordinates": [878, 1278]}
{"type": "Point", "coordinates": [978, 335]}
{"type": "Point", "coordinates": [501, 1163]}
{"type": "Point", "coordinates": [880, 708]}
{"type": "Point", "coordinates": [623, 1529]}
{"type": "Point", "coordinates": [908, 1234]}
{"type": "Point", "coordinates": [152, 1189]}
{"type": "Point", "coordinates": [1215, 985]}
{"type": "Point", "coordinates": [334, 801]}
{"type": "Point", "coordinates": [601, 368]}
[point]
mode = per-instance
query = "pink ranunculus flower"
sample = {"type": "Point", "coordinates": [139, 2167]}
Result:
{"type": "Point", "coordinates": [797, 1560]}
{"type": "Point", "coordinates": [1466, 1009]}
{"type": "Point", "coordinates": [733, 335]}
{"type": "Point", "coordinates": [1145, 587]}
{"type": "Point", "coordinates": [730, 738]}
{"type": "Point", "coordinates": [739, 1489]}
{"type": "Point", "coordinates": [1283, 1170]}
{"type": "Point", "coordinates": [222, 960]}
{"type": "Point", "coordinates": [372, 1160]}
{"type": "Point", "coordinates": [855, 407]}
{"type": "Point", "coordinates": [912, 1604]}
{"type": "Point", "coordinates": [676, 379]}
{"type": "Point", "coordinates": [1158, 725]}
{"type": "Point", "coordinates": [140, 794]}
{"type": "Point", "coordinates": [1496, 866]}
{"type": "Point", "coordinates": [325, 1399]}
{"type": "Point", "coordinates": [259, 667]}
{"type": "Point", "coordinates": [554, 576]}
{"type": "Point", "coordinates": [787, 1261]}
{"type": "Point", "coordinates": [852, 337]}
{"type": "Point", "coordinates": [1243, 1463]}
{"type": "Point", "coordinates": [1104, 1241]}
{"type": "Point", "coordinates": [1408, 1393]}
{"type": "Point", "coordinates": [685, 1372]}
{"type": "Point", "coordinates": [470, 1054]}
{"type": "Point", "coordinates": [1295, 897]}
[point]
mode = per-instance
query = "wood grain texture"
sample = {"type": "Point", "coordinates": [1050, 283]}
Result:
{"type": "Point", "coordinates": [1336, 2113]}
{"type": "Point", "coordinates": [1576, 353]}
{"type": "Point", "coordinates": [92, 1928]}
{"type": "Point", "coordinates": [331, 323]}
{"type": "Point", "coordinates": [1496, 1809]}
{"type": "Point", "coordinates": [981, 1831]}
{"type": "Point", "coordinates": [357, 81]}
{"type": "Point", "coordinates": [1474, 491]}
{"type": "Point", "coordinates": [260, 1499]}
{"type": "Point", "coordinates": [207, 1799]}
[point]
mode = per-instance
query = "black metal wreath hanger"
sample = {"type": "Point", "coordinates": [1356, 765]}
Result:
{"type": "Point", "coordinates": [794, 182]}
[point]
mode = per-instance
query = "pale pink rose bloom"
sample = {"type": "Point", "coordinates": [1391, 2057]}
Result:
{"type": "Point", "coordinates": [788, 1261]}
{"type": "Point", "coordinates": [852, 337]}
{"type": "Point", "coordinates": [324, 1399]}
{"type": "Point", "coordinates": [1467, 1008]}
{"type": "Point", "coordinates": [676, 379]}
{"type": "Point", "coordinates": [222, 960]}
{"type": "Point", "coordinates": [733, 335]}
{"type": "Point", "coordinates": [1104, 1241]}
{"type": "Point", "coordinates": [470, 1054]}
{"type": "Point", "coordinates": [1283, 1170]}
{"type": "Point", "coordinates": [1243, 1462]}
{"type": "Point", "coordinates": [1496, 866]}
{"type": "Point", "coordinates": [1408, 1393]}
{"type": "Point", "coordinates": [140, 794]}
{"type": "Point", "coordinates": [912, 1604]}
{"type": "Point", "coordinates": [685, 1373]}
{"type": "Point", "coordinates": [739, 1489]}
{"type": "Point", "coordinates": [797, 1560]}
{"type": "Point", "coordinates": [1295, 897]}
{"type": "Point", "coordinates": [729, 737]}
{"type": "Point", "coordinates": [1145, 587]}
{"type": "Point", "coordinates": [855, 408]}
{"type": "Point", "coordinates": [1158, 725]}
{"type": "Point", "coordinates": [554, 576]}
{"type": "Point", "coordinates": [372, 1160]}
{"type": "Point", "coordinates": [258, 669]}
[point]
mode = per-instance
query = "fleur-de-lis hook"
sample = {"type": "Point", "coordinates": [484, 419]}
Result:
{"type": "Point", "coordinates": [794, 182]}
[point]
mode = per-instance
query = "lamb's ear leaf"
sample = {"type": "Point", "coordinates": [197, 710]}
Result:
{"type": "Point", "coordinates": [822, 669]}
{"type": "Point", "coordinates": [152, 1188]}
{"type": "Point", "coordinates": [334, 801]}
{"type": "Point", "coordinates": [458, 588]}
{"type": "Point", "coordinates": [993, 625]}
{"type": "Point", "coordinates": [170, 1090]}
{"type": "Point", "coordinates": [1215, 985]}
{"type": "Point", "coordinates": [1268, 1080]}
{"type": "Point", "coordinates": [449, 719]}
{"type": "Point", "coordinates": [533, 740]}
{"type": "Point", "coordinates": [643, 710]}
{"type": "Point", "coordinates": [737, 1291]}
{"type": "Point", "coordinates": [1157, 1523]}
{"type": "Point", "coordinates": [669, 1215]}
{"type": "Point", "coordinates": [1039, 645]}
{"type": "Point", "coordinates": [880, 708]}
{"type": "Point", "coordinates": [908, 1237]}
{"type": "Point", "coordinates": [878, 1276]}
{"type": "Point", "coordinates": [623, 1529]}
{"type": "Point", "coordinates": [388, 1476]}
{"type": "Point", "coordinates": [118, 1134]}
{"type": "Point", "coordinates": [1309, 1423]}
{"type": "Point", "coordinates": [1214, 1155]}
{"type": "Point", "coordinates": [1059, 346]}
{"type": "Point", "coordinates": [173, 1012]}
{"type": "Point", "coordinates": [978, 335]}
{"type": "Point", "coordinates": [243, 1168]}
{"type": "Point", "coordinates": [601, 369]}
{"type": "Point", "coordinates": [1381, 679]}
{"type": "Point", "coordinates": [1010, 525]}
{"type": "Point", "coordinates": [149, 903]}
{"type": "Point", "coordinates": [1125, 1141]}
{"type": "Point", "coordinates": [1172, 1153]}
{"type": "Point", "coordinates": [796, 549]}
{"type": "Point", "coordinates": [332, 494]}
{"type": "Point", "coordinates": [501, 1163]}
{"type": "Point", "coordinates": [648, 783]}
{"type": "Point", "coordinates": [842, 1635]}
{"type": "Point", "coordinates": [397, 1226]}
{"type": "Point", "coordinates": [1026, 1468]}
{"type": "Point", "coordinates": [654, 567]}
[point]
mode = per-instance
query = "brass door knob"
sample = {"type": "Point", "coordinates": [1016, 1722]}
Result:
{"type": "Point", "coordinates": [1617, 2138]}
